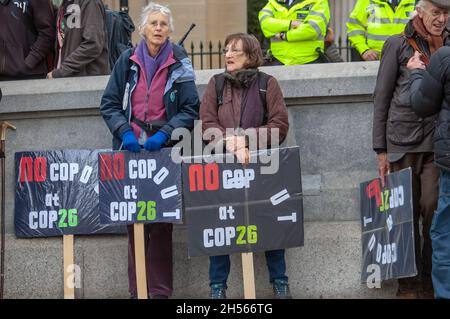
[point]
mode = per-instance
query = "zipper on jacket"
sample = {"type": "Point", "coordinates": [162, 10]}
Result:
{"type": "Point", "coordinates": [3, 62]}
{"type": "Point", "coordinates": [129, 105]}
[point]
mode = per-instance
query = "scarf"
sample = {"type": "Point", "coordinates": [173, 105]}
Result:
{"type": "Point", "coordinates": [150, 64]}
{"type": "Point", "coordinates": [434, 42]}
{"type": "Point", "coordinates": [242, 78]}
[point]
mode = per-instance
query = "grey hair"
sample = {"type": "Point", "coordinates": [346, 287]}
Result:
{"type": "Point", "coordinates": [151, 8]}
{"type": "Point", "coordinates": [422, 4]}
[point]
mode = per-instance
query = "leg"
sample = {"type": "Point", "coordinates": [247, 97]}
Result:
{"type": "Point", "coordinates": [132, 288]}
{"type": "Point", "coordinates": [428, 203]}
{"type": "Point", "coordinates": [440, 237]}
{"type": "Point", "coordinates": [159, 256]}
{"type": "Point", "coordinates": [219, 269]}
{"type": "Point", "coordinates": [276, 264]}
{"type": "Point", "coordinates": [408, 287]}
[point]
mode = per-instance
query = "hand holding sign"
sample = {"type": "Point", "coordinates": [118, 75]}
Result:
{"type": "Point", "coordinates": [155, 142]}
{"type": "Point", "coordinates": [237, 145]}
{"type": "Point", "coordinates": [387, 228]}
{"type": "Point", "coordinates": [130, 142]}
{"type": "Point", "coordinates": [383, 166]}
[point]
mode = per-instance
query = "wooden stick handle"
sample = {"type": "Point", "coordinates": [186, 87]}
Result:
{"type": "Point", "coordinates": [139, 259]}
{"type": "Point", "coordinates": [69, 288]}
{"type": "Point", "coordinates": [248, 274]}
{"type": "Point", "coordinates": [5, 126]}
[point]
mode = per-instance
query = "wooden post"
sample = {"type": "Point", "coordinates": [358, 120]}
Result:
{"type": "Point", "coordinates": [248, 274]}
{"type": "Point", "coordinates": [248, 271]}
{"type": "Point", "coordinates": [68, 247]}
{"type": "Point", "coordinates": [139, 253]}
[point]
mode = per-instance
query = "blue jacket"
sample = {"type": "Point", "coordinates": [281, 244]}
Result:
{"type": "Point", "coordinates": [180, 95]}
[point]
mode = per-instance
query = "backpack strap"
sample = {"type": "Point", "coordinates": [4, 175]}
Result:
{"type": "Point", "coordinates": [220, 86]}
{"type": "Point", "coordinates": [263, 79]}
{"type": "Point", "coordinates": [424, 57]}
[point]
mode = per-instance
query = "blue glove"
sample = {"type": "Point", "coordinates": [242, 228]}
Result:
{"type": "Point", "coordinates": [155, 141]}
{"type": "Point", "coordinates": [130, 142]}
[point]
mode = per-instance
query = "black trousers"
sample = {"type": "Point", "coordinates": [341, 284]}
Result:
{"type": "Point", "coordinates": [425, 185]}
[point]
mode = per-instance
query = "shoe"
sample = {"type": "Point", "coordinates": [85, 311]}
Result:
{"type": "Point", "coordinates": [407, 294]}
{"type": "Point", "coordinates": [281, 289]}
{"type": "Point", "coordinates": [427, 294]}
{"type": "Point", "coordinates": [218, 291]}
{"type": "Point", "coordinates": [160, 297]}
{"type": "Point", "coordinates": [427, 291]}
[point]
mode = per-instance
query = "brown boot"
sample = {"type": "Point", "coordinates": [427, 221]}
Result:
{"type": "Point", "coordinates": [409, 288]}
{"type": "Point", "coordinates": [427, 288]}
{"type": "Point", "coordinates": [407, 293]}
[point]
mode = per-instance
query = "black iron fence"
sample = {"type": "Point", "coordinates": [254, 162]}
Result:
{"type": "Point", "coordinates": [346, 51]}
{"type": "Point", "coordinates": [210, 56]}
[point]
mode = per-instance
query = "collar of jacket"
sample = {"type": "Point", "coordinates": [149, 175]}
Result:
{"type": "Point", "coordinates": [283, 7]}
{"type": "Point", "coordinates": [409, 30]}
{"type": "Point", "coordinates": [402, 3]}
{"type": "Point", "coordinates": [180, 71]}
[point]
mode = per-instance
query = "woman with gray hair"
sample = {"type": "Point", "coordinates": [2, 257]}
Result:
{"type": "Point", "coordinates": [150, 93]}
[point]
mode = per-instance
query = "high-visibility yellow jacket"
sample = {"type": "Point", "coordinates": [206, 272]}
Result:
{"type": "Point", "coordinates": [300, 44]}
{"type": "Point", "coordinates": [373, 21]}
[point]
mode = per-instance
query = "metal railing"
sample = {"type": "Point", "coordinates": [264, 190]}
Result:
{"type": "Point", "coordinates": [346, 51]}
{"type": "Point", "coordinates": [210, 56]}
{"type": "Point", "coordinates": [210, 53]}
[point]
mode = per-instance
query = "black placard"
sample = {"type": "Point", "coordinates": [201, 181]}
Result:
{"type": "Point", "coordinates": [142, 187]}
{"type": "Point", "coordinates": [387, 228]}
{"type": "Point", "coordinates": [57, 194]}
{"type": "Point", "coordinates": [231, 208]}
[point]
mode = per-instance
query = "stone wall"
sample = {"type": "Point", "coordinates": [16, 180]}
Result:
{"type": "Point", "coordinates": [330, 113]}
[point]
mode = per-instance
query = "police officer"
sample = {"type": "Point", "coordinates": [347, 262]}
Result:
{"type": "Point", "coordinates": [296, 30]}
{"type": "Point", "coordinates": [373, 21]}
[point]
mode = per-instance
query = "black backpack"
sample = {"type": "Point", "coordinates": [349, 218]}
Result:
{"type": "Point", "coordinates": [119, 27]}
{"type": "Point", "coordinates": [263, 78]}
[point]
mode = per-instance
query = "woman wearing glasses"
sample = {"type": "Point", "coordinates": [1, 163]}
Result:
{"type": "Point", "coordinates": [150, 93]}
{"type": "Point", "coordinates": [239, 107]}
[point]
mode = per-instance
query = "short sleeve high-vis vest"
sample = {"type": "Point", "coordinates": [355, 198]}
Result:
{"type": "Point", "coordinates": [373, 21]}
{"type": "Point", "coordinates": [300, 44]}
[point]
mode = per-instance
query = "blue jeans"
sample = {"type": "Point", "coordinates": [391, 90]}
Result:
{"type": "Point", "coordinates": [219, 267]}
{"type": "Point", "coordinates": [440, 238]}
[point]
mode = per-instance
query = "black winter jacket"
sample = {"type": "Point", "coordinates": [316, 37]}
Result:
{"type": "Point", "coordinates": [430, 95]}
{"type": "Point", "coordinates": [27, 37]}
{"type": "Point", "coordinates": [396, 129]}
